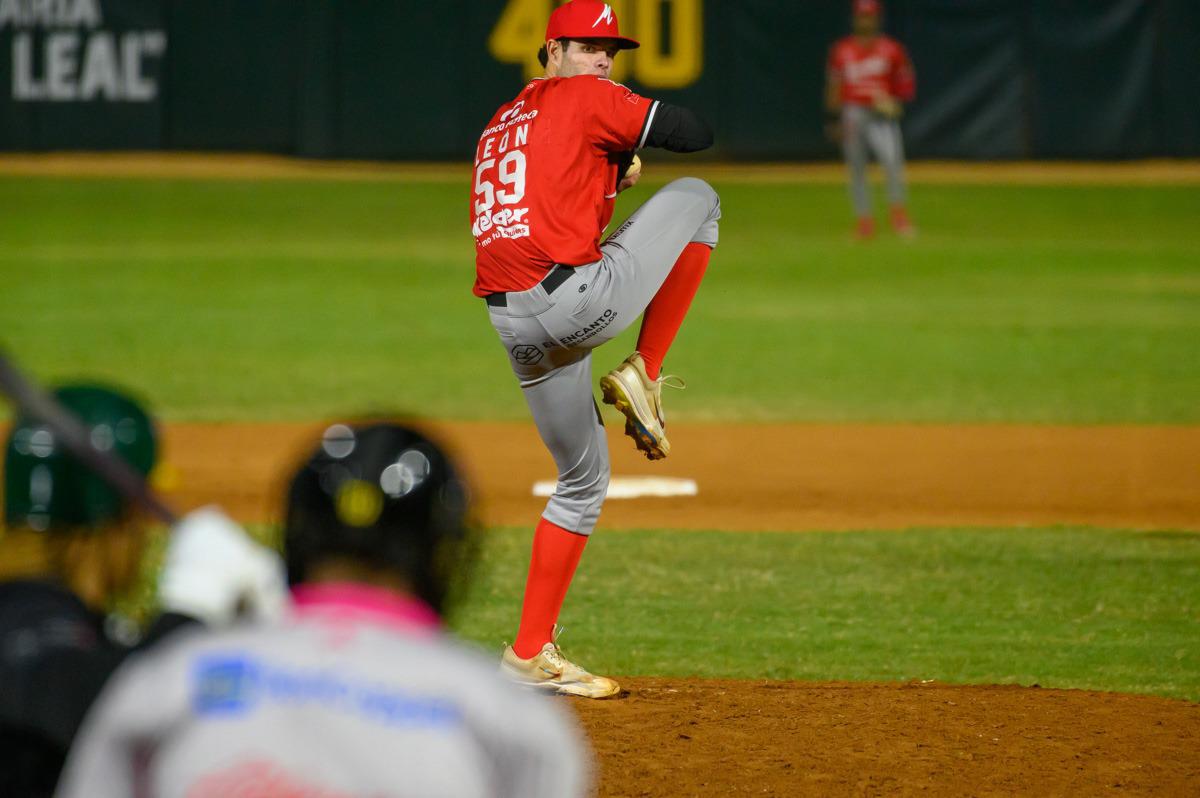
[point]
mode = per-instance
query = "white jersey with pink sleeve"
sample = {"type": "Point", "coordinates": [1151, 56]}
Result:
{"type": "Point", "coordinates": [355, 693]}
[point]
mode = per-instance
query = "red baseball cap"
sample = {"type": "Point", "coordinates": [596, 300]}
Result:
{"type": "Point", "coordinates": [868, 7]}
{"type": "Point", "coordinates": [587, 19]}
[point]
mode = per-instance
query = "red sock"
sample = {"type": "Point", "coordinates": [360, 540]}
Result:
{"type": "Point", "coordinates": [665, 313]}
{"type": "Point", "coordinates": [900, 220]}
{"type": "Point", "coordinates": [556, 553]}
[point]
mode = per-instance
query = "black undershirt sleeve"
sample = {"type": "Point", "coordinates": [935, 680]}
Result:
{"type": "Point", "coordinates": [677, 129]}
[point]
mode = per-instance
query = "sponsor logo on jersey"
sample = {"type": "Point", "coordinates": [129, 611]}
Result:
{"type": "Point", "coordinates": [506, 123]}
{"type": "Point", "coordinates": [238, 683]}
{"type": "Point", "coordinates": [511, 112]}
{"type": "Point", "coordinates": [504, 223]}
{"type": "Point", "coordinates": [225, 686]}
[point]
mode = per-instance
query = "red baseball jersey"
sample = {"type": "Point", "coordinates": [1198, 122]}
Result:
{"type": "Point", "coordinates": [868, 69]}
{"type": "Point", "coordinates": [545, 179]}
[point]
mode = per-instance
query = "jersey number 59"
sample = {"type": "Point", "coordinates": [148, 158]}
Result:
{"type": "Point", "coordinates": [510, 173]}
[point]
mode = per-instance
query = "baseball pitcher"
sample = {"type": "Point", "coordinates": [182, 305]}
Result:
{"type": "Point", "coordinates": [548, 168]}
{"type": "Point", "coordinates": [356, 691]}
{"type": "Point", "coordinates": [868, 77]}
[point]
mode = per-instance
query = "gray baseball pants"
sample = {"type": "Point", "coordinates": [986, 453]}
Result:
{"type": "Point", "coordinates": [549, 337]}
{"type": "Point", "coordinates": [865, 129]}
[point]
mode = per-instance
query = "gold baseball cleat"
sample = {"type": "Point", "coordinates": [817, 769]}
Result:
{"type": "Point", "coordinates": [549, 670]}
{"type": "Point", "coordinates": [639, 398]}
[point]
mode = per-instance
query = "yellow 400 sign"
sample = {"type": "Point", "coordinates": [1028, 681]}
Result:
{"type": "Point", "coordinates": [670, 31]}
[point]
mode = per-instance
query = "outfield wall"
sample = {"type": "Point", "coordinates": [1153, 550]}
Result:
{"type": "Point", "coordinates": [401, 79]}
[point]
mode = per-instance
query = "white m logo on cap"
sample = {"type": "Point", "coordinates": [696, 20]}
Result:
{"type": "Point", "coordinates": [606, 14]}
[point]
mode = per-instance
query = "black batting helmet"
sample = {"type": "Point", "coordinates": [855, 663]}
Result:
{"type": "Point", "coordinates": [387, 496]}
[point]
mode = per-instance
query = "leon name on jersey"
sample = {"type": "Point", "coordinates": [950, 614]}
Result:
{"type": "Point", "coordinates": [496, 214]}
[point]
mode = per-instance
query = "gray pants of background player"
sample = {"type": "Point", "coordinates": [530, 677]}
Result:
{"type": "Point", "coordinates": [864, 128]}
{"type": "Point", "coordinates": [549, 337]}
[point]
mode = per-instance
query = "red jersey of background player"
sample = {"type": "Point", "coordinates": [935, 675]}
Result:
{"type": "Point", "coordinates": [545, 180]}
{"type": "Point", "coordinates": [868, 69]}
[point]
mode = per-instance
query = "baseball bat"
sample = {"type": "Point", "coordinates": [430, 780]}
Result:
{"type": "Point", "coordinates": [69, 431]}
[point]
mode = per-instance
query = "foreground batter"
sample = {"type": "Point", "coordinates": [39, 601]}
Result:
{"type": "Point", "coordinates": [868, 76]}
{"type": "Point", "coordinates": [356, 691]}
{"type": "Point", "coordinates": [548, 168]}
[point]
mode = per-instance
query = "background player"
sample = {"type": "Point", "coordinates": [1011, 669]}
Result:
{"type": "Point", "coordinates": [868, 76]}
{"type": "Point", "coordinates": [70, 547]}
{"type": "Point", "coordinates": [356, 691]}
{"type": "Point", "coordinates": [547, 171]}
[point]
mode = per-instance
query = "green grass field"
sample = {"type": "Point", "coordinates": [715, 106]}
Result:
{"type": "Point", "coordinates": [300, 299]}
{"type": "Point", "coordinates": [1105, 610]}
{"type": "Point", "coordinates": [1071, 305]}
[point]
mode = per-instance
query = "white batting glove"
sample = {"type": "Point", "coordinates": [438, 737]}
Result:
{"type": "Point", "coordinates": [213, 571]}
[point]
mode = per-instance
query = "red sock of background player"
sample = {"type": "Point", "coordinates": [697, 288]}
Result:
{"type": "Point", "coordinates": [664, 315]}
{"type": "Point", "coordinates": [556, 553]}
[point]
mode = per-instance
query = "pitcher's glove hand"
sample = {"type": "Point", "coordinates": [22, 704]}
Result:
{"type": "Point", "coordinates": [888, 106]}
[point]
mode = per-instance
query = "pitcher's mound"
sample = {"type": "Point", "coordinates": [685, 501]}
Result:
{"type": "Point", "coordinates": [683, 737]}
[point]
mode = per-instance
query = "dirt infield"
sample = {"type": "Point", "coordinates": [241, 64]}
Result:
{"type": "Point", "coordinates": [777, 477]}
{"type": "Point", "coordinates": [672, 737]}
